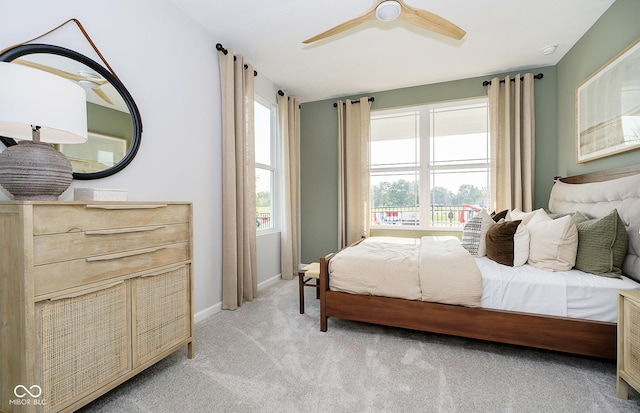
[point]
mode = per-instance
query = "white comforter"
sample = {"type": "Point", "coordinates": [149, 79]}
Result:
{"type": "Point", "coordinates": [378, 267]}
{"type": "Point", "coordinates": [448, 273]}
{"type": "Point", "coordinates": [435, 269]}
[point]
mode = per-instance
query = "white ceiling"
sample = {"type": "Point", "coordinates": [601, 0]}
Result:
{"type": "Point", "coordinates": [502, 36]}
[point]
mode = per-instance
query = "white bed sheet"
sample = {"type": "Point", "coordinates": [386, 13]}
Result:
{"type": "Point", "coordinates": [573, 293]}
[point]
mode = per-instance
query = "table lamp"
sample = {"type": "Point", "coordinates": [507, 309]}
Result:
{"type": "Point", "coordinates": [38, 108]}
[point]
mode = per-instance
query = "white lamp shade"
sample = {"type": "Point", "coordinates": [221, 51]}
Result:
{"type": "Point", "coordinates": [32, 97]}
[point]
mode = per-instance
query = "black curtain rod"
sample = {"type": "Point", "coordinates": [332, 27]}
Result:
{"type": "Point", "coordinates": [371, 99]}
{"type": "Point", "coordinates": [225, 51]}
{"type": "Point", "coordinates": [246, 66]}
{"type": "Point", "coordinates": [222, 49]}
{"type": "Point", "coordinates": [488, 82]}
{"type": "Point", "coordinates": [281, 93]}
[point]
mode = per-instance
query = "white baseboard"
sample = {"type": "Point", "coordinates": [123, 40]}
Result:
{"type": "Point", "coordinates": [268, 283]}
{"type": "Point", "coordinates": [207, 312]}
{"type": "Point", "coordinates": [216, 308]}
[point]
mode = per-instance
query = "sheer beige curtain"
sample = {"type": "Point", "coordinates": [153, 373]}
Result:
{"type": "Point", "coordinates": [289, 131]}
{"type": "Point", "coordinates": [512, 129]}
{"type": "Point", "coordinates": [353, 170]}
{"type": "Point", "coordinates": [239, 268]}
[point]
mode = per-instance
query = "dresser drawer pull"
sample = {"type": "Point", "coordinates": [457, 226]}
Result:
{"type": "Point", "coordinates": [86, 291]}
{"type": "Point", "coordinates": [124, 254]}
{"type": "Point", "coordinates": [125, 206]}
{"type": "Point", "coordinates": [123, 230]}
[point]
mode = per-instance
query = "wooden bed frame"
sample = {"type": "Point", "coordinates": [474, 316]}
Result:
{"type": "Point", "coordinates": [570, 335]}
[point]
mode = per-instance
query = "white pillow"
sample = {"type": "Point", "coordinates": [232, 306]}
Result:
{"type": "Point", "coordinates": [474, 233]}
{"type": "Point", "coordinates": [520, 246]}
{"type": "Point", "coordinates": [525, 217]}
{"type": "Point", "coordinates": [553, 243]}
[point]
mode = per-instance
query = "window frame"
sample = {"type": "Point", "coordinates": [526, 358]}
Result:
{"type": "Point", "coordinates": [423, 169]}
{"type": "Point", "coordinates": [273, 167]}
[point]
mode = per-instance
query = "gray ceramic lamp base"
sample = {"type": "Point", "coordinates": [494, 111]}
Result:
{"type": "Point", "coordinates": [34, 171]}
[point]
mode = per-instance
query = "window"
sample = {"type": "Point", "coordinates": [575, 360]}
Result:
{"type": "Point", "coordinates": [430, 165]}
{"type": "Point", "coordinates": [266, 164]}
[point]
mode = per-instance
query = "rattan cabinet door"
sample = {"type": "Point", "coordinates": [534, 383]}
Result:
{"type": "Point", "coordinates": [83, 343]}
{"type": "Point", "coordinates": [161, 309]}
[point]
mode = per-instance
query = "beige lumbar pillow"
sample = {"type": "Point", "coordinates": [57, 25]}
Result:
{"type": "Point", "coordinates": [553, 243]}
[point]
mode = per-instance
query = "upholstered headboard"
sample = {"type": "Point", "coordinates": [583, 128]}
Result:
{"type": "Point", "coordinates": [597, 199]}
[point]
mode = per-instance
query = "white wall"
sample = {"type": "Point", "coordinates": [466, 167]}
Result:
{"type": "Point", "coordinates": [170, 67]}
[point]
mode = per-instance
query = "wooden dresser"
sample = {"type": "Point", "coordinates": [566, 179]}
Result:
{"type": "Point", "coordinates": [628, 342]}
{"type": "Point", "coordinates": [91, 293]}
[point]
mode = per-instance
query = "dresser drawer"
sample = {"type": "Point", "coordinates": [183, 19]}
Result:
{"type": "Point", "coordinates": [74, 245]}
{"type": "Point", "coordinates": [80, 217]}
{"type": "Point", "coordinates": [58, 276]}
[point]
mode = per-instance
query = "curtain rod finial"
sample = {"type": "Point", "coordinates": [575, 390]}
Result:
{"type": "Point", "coordinates": [219, 47]}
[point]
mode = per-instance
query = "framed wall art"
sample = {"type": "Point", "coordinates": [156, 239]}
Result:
{"type": "Point", "coordinates": [608, 108]}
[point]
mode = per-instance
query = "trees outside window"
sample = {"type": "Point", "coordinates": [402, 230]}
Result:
{"type": "Point", "coordinates": [430, 165]}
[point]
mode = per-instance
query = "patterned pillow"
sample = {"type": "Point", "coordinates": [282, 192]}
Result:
{"type": "Point", "coordinates": [474, 232]}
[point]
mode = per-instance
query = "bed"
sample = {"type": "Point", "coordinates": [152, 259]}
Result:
{"type": "Point", "coordinates": [594, 195]}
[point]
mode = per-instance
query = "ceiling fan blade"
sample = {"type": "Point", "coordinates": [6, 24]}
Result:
{"type": "Point", "coordinates": [430, 21]}
{"type": "Point", "coordinates": [49, 69]}
{"type": "Point", "coordinates": [71, 76]}
{"type": "Point", "coordinates": [368, 15]}
{"type": "Point", "coordinates": [102, 95]}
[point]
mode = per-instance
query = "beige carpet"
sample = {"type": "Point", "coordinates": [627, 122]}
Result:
{"type": "Point", "coordinates": [266, 357]}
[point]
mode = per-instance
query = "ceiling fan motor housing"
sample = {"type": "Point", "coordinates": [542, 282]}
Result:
{"type": "Point", "coordinates": [388, 11]}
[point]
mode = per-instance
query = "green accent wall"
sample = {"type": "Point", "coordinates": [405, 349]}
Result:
{"type": "Point", "coordinates": [110, 122]}
{"type": "Point", "coordinates": [612, 33]}
{"type": "Point", "coordinates": [555, 154]}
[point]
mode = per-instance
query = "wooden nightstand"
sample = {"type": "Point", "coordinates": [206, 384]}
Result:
{"type": "Point", "coordinates": [628, 342]}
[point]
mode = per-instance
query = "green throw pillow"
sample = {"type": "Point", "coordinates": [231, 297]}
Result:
{"type": "Point", "coordinates": [602, 245]}
{"type": "Point", "coordinates": [578, 218]}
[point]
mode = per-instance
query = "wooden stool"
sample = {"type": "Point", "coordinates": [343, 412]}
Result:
{"type": "Point", "coordinates": [305, 277]}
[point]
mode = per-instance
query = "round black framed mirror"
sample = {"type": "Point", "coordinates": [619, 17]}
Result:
{"type": "Point", "coordinates": [113, 120]}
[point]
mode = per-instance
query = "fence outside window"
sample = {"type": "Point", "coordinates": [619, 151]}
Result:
{"type": "Point", "coordinates": [263, 220]}
{"type": "Point", "coordinates": [442, 216]}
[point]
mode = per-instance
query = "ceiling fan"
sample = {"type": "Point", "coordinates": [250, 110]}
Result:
{"type": "Point", "coordinates": [389, 10]}
{"type": "Point", "coordinates": [87, 80]}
